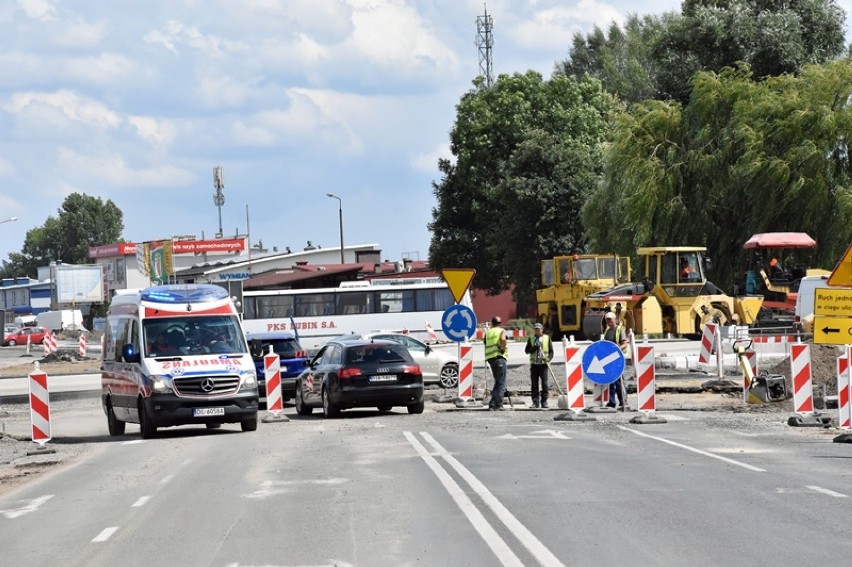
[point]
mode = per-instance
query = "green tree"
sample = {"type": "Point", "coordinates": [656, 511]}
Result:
{"type": "Point", "coordinates": [742, 157]}
{"type": "Point", "coordinates": [527, 151]}
{"type": "Point", "coordinates": [82, 221]}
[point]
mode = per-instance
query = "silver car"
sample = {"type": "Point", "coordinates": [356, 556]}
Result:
{"type": "Point", "coordinates": [437, 365]}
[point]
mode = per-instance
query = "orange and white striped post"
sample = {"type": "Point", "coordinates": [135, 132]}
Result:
{"type": "Point", "coordinates": [575, 389]}
{"type": "Point", "coordinates": [274, 399]}
{"type": "Point", "coordinates": [29, 342]}
{"type": "Point", "coordinates": [708, 340]}
{"type": "Point", "coordinates": [54, 342]}
{"type": "Point", "coordinates": [39, 407]}
{"type": "Point", "coordinates": [82, 343]}
{"type": "Point", "coordinates": [433, 336]}
{"type": "Point", "coordinates": [844, 385]}
{"type": "Point", "coordinates": [751, 357]}
{"type": "Point", "coordinates": [465, 372]}
{"type": "Point", "coordinates": [803, 388]}
{"type": "Point", "coordinates": [45, 343]}
{"type": "Point", "coordinates": [644, 367]}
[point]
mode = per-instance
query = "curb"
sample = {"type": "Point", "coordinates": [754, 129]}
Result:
{"type": "Point", "coordinates": [24, 399]}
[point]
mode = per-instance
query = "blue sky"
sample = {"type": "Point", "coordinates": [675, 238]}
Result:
{"type": "Point", "coordinates": [138, 101]}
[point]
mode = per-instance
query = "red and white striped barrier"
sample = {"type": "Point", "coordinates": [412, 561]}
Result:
{"type": "Point", "coordinates": [518, 334]}
{"type": "Point", "coordinates": [272, 371]}
{"type": "Point", "coordinates": [774, 339]}
{"type": "Point", "coordinates": [803, 388]}
{"type": "Point", "coordinates": [574, 376]}
{"type": "Point", "coordinates": [708, 340]}
{"type": "Point", "coordinates": [433, 336]}
{"type": "Point", "coordinates": [465, 371]}
{"type": "Point", "coordinates": [600, 395]}
{"type": "Point", "coordinates": [29, 342]}
{"type": "Point", "coordinates": [82, 346]}
{"type": "Point", "coordinates": [751, 356]}
{"type": "Point", "coordinates": [39, 407]}
{"type": "Point", "coordinates": [45, 343]}
{"type": "Point", "coordinates": [480, 333]}
{"type": "Point", "coordinates": [646, 385]}
{"type": "Point", "coordinates": [51, 341]}
{"type": "Point", "coordinates": [844, 393]}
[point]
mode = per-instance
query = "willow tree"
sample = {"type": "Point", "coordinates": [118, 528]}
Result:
{"type": "Point", "coordinates": [742, 157]}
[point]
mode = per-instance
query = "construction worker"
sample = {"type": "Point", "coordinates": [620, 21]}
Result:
{"type": "Point", "coordinates": [540, 348]}
{"type": "Point", "coordinates": [686, 270]}
{"type": "Point", "coordinates": [496, 353]}
{"type": "Point", "coordinates": [615, 333]}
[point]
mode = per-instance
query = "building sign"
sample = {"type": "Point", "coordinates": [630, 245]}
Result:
{"type": "Point", "coordinates": [178, 247]}
{"type": "Point", "coordinates": [235, 276]}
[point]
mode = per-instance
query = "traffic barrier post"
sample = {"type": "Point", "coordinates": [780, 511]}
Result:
{"type": "Point", "coordinates": [466, 398]}
{"type": "Point", "coordinates": [40, 408]}
{"type": "Point", "coordinates": [803, 389]}
{"type": "Point", "coordinates": [82, 343]}
{"type": "Point", "coordinates": [274, 399]}
{"type": "Point", "coordinates": [844, 396]}
{"type": "Point", "coordinates": [574, 386]}
{"type": "Point", "coordinates": [433, 336]}
{"type": "Point", "coordinates": [708, 339]}
{"type": "Point", "coordinates": [646, 385]}
{"type": "Point", "coordinates": [45, 343]}
{"type": "Point", "coordinates": [751, 357]}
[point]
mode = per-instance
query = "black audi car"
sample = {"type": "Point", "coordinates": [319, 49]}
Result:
{"type": "Point", "coordinates": [357, 373]}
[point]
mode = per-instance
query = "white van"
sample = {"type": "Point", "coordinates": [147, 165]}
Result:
{"type": "Point", "coordinates": [176, 355]}
{"type": "Point", "coordinates": [804, 320]}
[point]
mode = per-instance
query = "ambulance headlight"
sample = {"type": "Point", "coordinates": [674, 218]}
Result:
{"type": "Point", "coordinates": [161, 384]}
{"type": "Point", "coordinates": [249, 381]}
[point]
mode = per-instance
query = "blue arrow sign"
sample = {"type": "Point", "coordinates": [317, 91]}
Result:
{"type": "Point", "coordinates": [458, 323]}
{"type": "Point", "coordinates": [603, 362]}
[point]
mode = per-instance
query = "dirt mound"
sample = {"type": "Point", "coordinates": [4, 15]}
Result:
{"type": "Point", "coordinates": [823, 369]}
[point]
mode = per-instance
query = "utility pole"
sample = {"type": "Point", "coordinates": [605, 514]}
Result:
{"type": "Point", "coordinates": [484, 41]}
{"type": "Point", "coordinates": [219, 195]}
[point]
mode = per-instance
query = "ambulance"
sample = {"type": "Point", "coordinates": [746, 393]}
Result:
{"type": "Point", "coordinates": [176, 355]}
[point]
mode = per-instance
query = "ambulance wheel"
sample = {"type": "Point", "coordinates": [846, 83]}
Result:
{"type": "Point", "coordinates": [249, 424]}
{"type": "Point", "coordinates": [146, 428]}
{"type": "Point", "coordinates": [115, 426]}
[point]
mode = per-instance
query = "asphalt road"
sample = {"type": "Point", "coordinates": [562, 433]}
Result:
{"type": "Point", "coordinates": [449, 487]}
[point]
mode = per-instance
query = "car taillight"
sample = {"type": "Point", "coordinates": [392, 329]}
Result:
{"type": "Point", "coordinates": [301, 354]}
{"type": "Point", "coordinates": [415, 369]}
{"type": "Point", "coordinates": [348, 372]}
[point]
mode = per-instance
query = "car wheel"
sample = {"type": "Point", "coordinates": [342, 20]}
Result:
{"type": "Point", "coordinates": [301, 408]}
{"type": "Point", "coordinates": [385, 408]}
{"type": "Point", "coordinates": [416, 408]}
{"type": "Point", "coordinates": [329, 408]}
{"type": "Point", "coordinates": [249, 424]}
{"type": "Point", "coordinates": [449, 376]}
{"type": "Point", "coordinates": [146, 428]}
{"type": "Point", "coordinates": [213, 425]}
{"type": "Point", "coordinates": [13, 342]}
{"type": "Point", "coordinates": [115, 426]}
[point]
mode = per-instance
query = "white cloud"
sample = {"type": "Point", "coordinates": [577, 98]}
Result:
{"type": "Point", "coordinates": [176, 34]}
{"type": "Point", "coordinates": [112, 168]}
{"type": "Point", "coordinates": [553, 28]}
{"type": "Point", "coordinates": [81, 33]}
{"type": "Point", "coordinates": [100, 69]}
{"type": "Point", "coordinates": [72, 106]}
{"type": "Point", "coordinates": [38, 9]}
{"type": "Point", "coordinates": [428, 162]}
{"type": "Point", "coordinates": [155, 132]}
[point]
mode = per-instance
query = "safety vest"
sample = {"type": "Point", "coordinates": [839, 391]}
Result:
{"type": "Point", "coordinates": [492, 343]}
{"type": "Point", "coordinates": [539, 356]}
{"type": "Point", "coordinates": [617, 334]}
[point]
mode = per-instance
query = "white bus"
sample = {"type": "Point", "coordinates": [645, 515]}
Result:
{"type": "Point", "coordinates": [318, 314]}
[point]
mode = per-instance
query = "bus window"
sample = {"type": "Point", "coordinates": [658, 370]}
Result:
{"type": "Point", "coordinates": [354, 302]}
{"type": "Point", "coordinates": [314, 304]}
{"type": "Point", "coordinates": [396, 301]}
{"type": "Point", "coordinates": [433, 299]}
{"type": "Point", "coordinates": [269, 307]}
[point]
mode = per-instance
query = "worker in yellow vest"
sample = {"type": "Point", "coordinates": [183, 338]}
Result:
{"type": "Point", "coordinates": [540, 348]}
{"type": "Point", "coordinates": [496, 353]}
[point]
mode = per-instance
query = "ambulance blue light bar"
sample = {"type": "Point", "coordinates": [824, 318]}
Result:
{"type": "Point", "coordinates": [184, 293]}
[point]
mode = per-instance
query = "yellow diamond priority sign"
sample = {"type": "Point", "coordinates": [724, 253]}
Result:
{"type": "Point", "coordinates": [458, 280]}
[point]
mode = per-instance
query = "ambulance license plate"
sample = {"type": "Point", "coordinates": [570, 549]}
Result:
{"type": "Point", "coordinates": [201, 412]}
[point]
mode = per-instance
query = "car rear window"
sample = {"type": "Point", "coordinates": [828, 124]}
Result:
{"type": "Point", "coordinates": [285, 348]}
{"type": "Point", "coordinates": [377, 353]}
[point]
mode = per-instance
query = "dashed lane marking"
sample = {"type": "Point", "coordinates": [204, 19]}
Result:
{"type": "Point", "coordinates": [105, 534]}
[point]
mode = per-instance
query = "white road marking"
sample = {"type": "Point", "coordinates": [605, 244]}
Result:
{"type": "Point", "coordinates": [694, 450]}
{"type": "Point", "coordinates": [166, 478]}
{"type": "Point", "coordinates": [30, 506]}
{"type": "Point", "coordinates": [826, 491]}
{"type": "Point", "coordinates": [543, 434]}
{"type": "Point", "coordinates": [489, 535]}
{"type": "Point", "coordinates": [105, 534]}
{"type": "Point", "coordinates": [542, 554]}
{"type": "Point", "coordinates": [141, 502]}
{"type": "Point", "coordinates": [275, 487]}
{"type": "Point", "coordinates": [136, 442]}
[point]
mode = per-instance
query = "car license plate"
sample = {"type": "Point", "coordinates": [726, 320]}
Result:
{"type": "Point", "coordinates": [383, 378]}
{"type": "Point", "coordinates": [201, 412]}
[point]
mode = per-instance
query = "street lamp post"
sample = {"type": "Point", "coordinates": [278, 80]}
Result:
{"type": "Point", "coordinates": [340, 212]}
{"type": "Point", "coordinates": [12, 219]}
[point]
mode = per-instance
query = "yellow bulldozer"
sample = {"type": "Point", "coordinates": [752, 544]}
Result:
{"type": "Point", "coordinates": [674, 297]}
{"type": "Point", "coordinates": [567, 281]}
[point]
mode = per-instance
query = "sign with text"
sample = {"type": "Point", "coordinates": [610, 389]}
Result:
{"type": "Point", "coordinates": [832, 330]}
{"type": "Point", "coordinates": [833, 302]}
